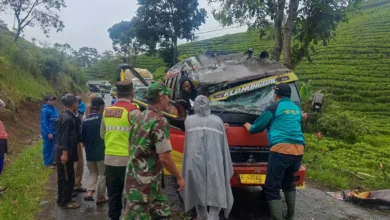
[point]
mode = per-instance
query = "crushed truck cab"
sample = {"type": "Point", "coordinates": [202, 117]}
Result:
{"type": "Point", "coordinates": [239, 87]}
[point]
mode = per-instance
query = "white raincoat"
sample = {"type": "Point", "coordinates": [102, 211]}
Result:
{"type": "Point", "coordinates": [207, 165]}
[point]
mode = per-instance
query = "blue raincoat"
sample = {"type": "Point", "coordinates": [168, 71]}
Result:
{"type": "Point", "coordinates": [48, 120]}
{"type": "Point", "coordinates": [82, 107]}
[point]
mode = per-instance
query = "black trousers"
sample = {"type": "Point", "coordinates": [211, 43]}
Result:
{"type": "Point", "coordinates": [280, 174]}
{"type": "Point", "coordinates": [115, 179]}
{"type": "Point", "coordinates": [65, 181]}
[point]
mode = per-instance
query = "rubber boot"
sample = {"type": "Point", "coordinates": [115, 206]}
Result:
{"type": "Point", "coordinates": [290, 202]}
{"type": "Point", "coordinates": [275, 207]}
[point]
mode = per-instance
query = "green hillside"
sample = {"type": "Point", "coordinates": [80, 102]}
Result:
{"type": "Point", "coordinates": [355, 67]}
{"type": "Point", "coordinates": [28, 72]}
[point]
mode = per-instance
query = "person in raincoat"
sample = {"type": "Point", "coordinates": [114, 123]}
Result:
{"type": "Point", "coordinates": [82, 107]}
{"type": "Point", "coordinates": [207, 166]}
{"type": "Point", "coordinates": [48, 120]}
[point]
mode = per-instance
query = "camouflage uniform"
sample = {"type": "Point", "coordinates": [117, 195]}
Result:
{"type": "Point", "coordinates": [149, 137]}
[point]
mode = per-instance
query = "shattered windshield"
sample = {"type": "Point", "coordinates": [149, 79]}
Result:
{"type": "Point", "coordinates": [254, 102]}
{"type": "Point", "coordinates": [139, 93]}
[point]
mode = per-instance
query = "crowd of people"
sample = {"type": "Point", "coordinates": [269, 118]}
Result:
{"type": "Point", "coordinates": [126, 151]}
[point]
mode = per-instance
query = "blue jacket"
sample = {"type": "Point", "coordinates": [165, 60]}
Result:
{"type": "Point", "coordinates": [82, 107]}
{"type": "Point", "coordinates": [284, 122]}
{"type": "Point", "coordinates": [113, 101]}
{"type": "Point", "coordinates": [48, 120]}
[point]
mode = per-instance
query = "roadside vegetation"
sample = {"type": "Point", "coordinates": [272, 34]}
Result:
{"type": "Point", "coordinates": [29, 72]}
{"type": "Point", "coordinates": [25, 179]}
{"type": "Point", "coordinates": [353, 71]}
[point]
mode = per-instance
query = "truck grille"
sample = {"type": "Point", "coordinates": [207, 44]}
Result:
{"type": "Point", "coordinates": [245, 154]}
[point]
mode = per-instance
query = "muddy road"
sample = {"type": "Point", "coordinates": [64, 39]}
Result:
{"type": "Point", "coordinates": [312, 204]}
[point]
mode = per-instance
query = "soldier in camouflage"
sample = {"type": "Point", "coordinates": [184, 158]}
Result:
{"type": "Point", "coordinates": [149, 150]}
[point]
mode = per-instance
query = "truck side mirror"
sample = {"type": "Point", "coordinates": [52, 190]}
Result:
{"type": "Point", "coordinates": [317, 102]}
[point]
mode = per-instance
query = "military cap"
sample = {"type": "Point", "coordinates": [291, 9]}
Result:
{"type": "Point", "coordinates": [157, 89]}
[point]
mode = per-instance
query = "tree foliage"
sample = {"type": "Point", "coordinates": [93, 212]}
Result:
{"type": "Point", "coordinates": [316, 23]}
{"type": "Point", "coordinates": [42, 13]}
{"type": "Point", "coordinates": [254, 13]}
{"type": "Point", "coordinates": [166, 21]}
{"type": "Point", "coordinates": [87, 56]}
{"type": "Point", "coordinates": [106, 66]}
{"type": "Point", "coordinates": [3, 25]}
{"type": "Point", "coordinates": [125, 41]}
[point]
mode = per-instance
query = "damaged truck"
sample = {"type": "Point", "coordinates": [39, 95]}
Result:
{"type": "Point", "coordinates": [239, 86]}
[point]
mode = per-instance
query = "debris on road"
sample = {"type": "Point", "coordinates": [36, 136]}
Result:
{"type": "Point", "coordinates": [374, 199]}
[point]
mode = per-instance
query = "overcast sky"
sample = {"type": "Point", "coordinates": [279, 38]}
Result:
{"type": "Point", "coordinates": [87, 22]}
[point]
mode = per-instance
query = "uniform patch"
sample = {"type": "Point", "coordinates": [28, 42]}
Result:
{"type": "Point", "coordinates": [291, 112]}
{"type": "Point", "coordinates": [113, 113]}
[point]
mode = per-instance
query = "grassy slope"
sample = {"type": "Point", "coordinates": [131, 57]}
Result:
{"type": "Point", "coordinates": [25, 180]}
{"type": "Point", "coordinates": [16, 83]}
{"type": "Point", "coordinates": [355, 70]}
{"type": "Point", "coordinates": [21, 76]}
{"type": "Point", "coordinates": [355, 67]}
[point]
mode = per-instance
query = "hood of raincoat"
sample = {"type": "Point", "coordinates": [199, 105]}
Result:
{"type": "Point", "coordinates": [207, 165]}
{"type": "Point", "coordinates": [202, 106]}
{"type": "Point", "coordinates": [82, 107]}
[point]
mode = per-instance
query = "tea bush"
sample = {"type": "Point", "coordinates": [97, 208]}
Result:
{"type": "Point", "coordinates": [341, 124]}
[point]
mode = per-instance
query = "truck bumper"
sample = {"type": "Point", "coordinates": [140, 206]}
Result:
{"type": "Point", "coordinates": [235, 181]}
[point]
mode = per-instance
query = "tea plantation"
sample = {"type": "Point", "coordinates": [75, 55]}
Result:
{"type": "Point", "coordinates": [353, 71]}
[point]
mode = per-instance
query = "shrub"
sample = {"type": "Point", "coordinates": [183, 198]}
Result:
{"type": "Point", "coordinates": [159, 74]}
{"type": "Point", "coordinates": [335, 122]}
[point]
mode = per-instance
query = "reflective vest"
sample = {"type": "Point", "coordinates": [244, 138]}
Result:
{"type": "Point", "coordinates": [117, 125]}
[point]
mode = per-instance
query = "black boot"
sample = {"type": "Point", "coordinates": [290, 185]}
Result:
{"type": "Point", "coordinates": [290, 202]}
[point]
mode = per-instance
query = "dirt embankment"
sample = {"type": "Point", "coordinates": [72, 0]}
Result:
{"type": "Point", "coordinates": [22, 127]}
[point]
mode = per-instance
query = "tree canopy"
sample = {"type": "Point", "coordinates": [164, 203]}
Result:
{"type": "Point", "coordinates": [166, 21]}
{"type": "Point", "coordinates": [87, 56]}
{"type": "Point", "coordinates": [42, 13]}
{"type": "Point", "coordinates": [125, 40]}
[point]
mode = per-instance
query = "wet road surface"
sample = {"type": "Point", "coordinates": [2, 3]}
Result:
{"type": "Point", "coordinates": [312, 204]}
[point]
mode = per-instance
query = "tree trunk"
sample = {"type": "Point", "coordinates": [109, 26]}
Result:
{"type": "Point", "coordinates": [174, 52]}
{"type": "Point", "coordinates": [17, 35]}
{"type": "Point", "coordinates": [279, 14]}
{"type": "Point", "coordinates": [292, 14]}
